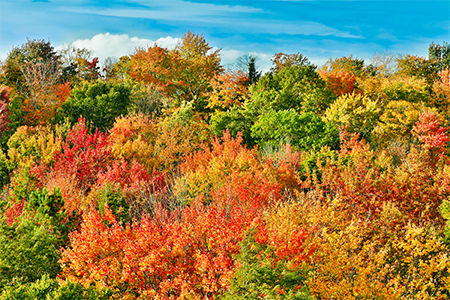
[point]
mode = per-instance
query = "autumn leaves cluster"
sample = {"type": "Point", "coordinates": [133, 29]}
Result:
{"type": "Point", "coordinates": [163, 176]}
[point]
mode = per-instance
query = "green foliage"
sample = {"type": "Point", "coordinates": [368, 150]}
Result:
{"type": "Point", "coordinates": [439, 55]}
{"type": "Point", "coordinates": [49, 207]}
{"type": "Point", "coordinates": [31, 290]}
{"type": "Point", "coordinates": [409, 89]}
{"type": "Point", "coordinates": [235, 120]}
{"type": "Point", "coordinates": [28, 249]}
{"type": "Point", "coordinates": [76, 291]}
{"type": "Point", "coordinates": [32, 52]}
{"type": "Point", "coordinates": [295, 87]}
{"type": "Point", "coordinates": [262, 275]}
{"type": "Point", "coordinates": [99, 103]}
{"type": "Point", "coordinates": [16, 116]}
{"type": "Point", "coordinates": [31, 234]}
{"type": "Point", "coordinates": [114, 200]}
{"type": "Point", "coordinates": [314, 161]}
{"type": "Point", "coordinates": [304, 131]}
{"type": "Point", "coordinates": [4, 170]}
{"type": "Point", "coordinates": [47, 288]}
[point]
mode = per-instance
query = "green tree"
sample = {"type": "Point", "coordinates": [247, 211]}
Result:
{"type": "Point", "coordinates": [439, 55]}
{"type": "Point", "coordinates": [47, 288]}
{"type": "Point", "coordinates": [32, 52]}
{"type": "Point", "coordinates": [295, 87]}
{"type": "Point", "coordinates": [99, 103]}
{"type": "Point", "coordinates": [235, 120]}
{"type": "Point", "coordinates": [265, 275]}
{"type": "Point", "coordinates": [28, 249]}
{"type": "Point", "coordinates": [247, 64]}
{"type": "Point", "coordinates": [303, 131]}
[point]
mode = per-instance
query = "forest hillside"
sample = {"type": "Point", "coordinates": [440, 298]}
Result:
{"type": "Point", "coordinates": [166, 176]}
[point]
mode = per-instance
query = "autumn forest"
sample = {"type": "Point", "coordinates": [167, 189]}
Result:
{"type": "Point", "coordinates": [165, 175]}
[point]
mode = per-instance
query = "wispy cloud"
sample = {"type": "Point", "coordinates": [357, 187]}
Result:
{"type": "Point", "coordinates": [167, 10]}
{"type": "Point", "coordinates": [207, 17]}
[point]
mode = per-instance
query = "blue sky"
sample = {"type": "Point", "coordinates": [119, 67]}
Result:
{"type": "Point", "coordinates": [318, 29]}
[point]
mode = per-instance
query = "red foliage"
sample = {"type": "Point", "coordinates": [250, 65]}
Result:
{"type": "Point", "coordinates": [430, 133]}
{"type": "Point", "coordinates": [133, 179]}
{"type": "Point", "coordinates": [76, 166]}
{"type": "Point", "coordinates": [187, 253]}
{"type": "Point", "coordinates": [83, 154]}
{"type": "Point", "coordinates": [14, 210]}
{"type": "Point", "coordinates": [247, 191]}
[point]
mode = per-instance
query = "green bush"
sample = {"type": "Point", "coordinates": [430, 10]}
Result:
{"type": "Point", "coordinates": [303, 131]}
{"type": "Point", "coordinates": [99, 103]}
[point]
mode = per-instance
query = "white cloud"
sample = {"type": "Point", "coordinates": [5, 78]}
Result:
{"type": "Point", "coordinates": [229, 56]}
{"type": "Point", "coordinates": [106, 45]}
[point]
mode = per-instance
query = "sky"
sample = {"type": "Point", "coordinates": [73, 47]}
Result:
{"type": "Point", "coordinates": [320, 30]}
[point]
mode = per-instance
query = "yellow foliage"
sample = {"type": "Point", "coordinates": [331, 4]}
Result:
{"type": "Point", "coordinates": [441, 92]}
{"type": "Point", "coordinates": [365, 259]}
{"type": "Point", "coordinates": [356, 112]}
{"type": "Point", "coordinates": [385, 89]}
{"type": "Point", "coordinates": [397, 121]}
{"type": "Point", "coordinates": [155, 143]}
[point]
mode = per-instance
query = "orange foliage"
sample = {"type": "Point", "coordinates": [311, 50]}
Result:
{"type": "Point", "coordinates": [157, 66]}
{"type": "Point", "coordinates": [154, 143]}
{"type": "Point", "coordinates": [228, 90]}
{"type": "Point", "coordinates": [185, 254]}
{"type": "Point", "coordinates": [340, 83]}
{"type": "Point", "coordinates": [441, 91]}
{"type": "Point", "coordinates": [358, 179]}
{"type": "Point", "coordinates": [44, 95]}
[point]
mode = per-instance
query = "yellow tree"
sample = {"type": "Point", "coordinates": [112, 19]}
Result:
{"type": "Point", "coordinates": [158, 67]}
{"type": "Point", "coordinates": [354, 66]}
{"type": "Point", "coordinates": [200, 63]}
{"type": "Point", "coordinates": [396, 122]}
{"type": "Point", "coordinates": [356, 112]}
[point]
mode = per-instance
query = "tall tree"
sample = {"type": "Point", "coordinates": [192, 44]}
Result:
{"type": "Point", "coordinates": [32, 52]}
{"type": "Point", "coordinates": [283, 60]}
{"type": "Point", "coordinates": [439, 55]}
{"type": "Point", "coordinates": [247, 64]}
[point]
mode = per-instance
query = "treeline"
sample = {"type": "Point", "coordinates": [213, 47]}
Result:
{"type": "Point", "coordinates": [164, 176]}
